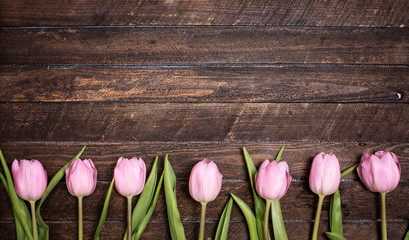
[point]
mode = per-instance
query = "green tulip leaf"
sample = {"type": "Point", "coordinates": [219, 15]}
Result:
{"type": "Point", "coordinates": [259, 204]}
{"type": "Point", "coordinates": [348, 170]}
{"type": "Point", "coordinates": [104, 211]}
{"type": "Point", "coordinates": [278, 158]}
{"type": "Point", "coordinates": [175, 225]}
{"type": "Point", "coordinates": [277, 221]}
{"type": "Point", "coordinates": [249, 216]}
{"type": "Point", "coordinates": [334, 236]}
{"type": "Point", "coordinates": [144, 200]}
{"type": "Point", "coordinates": [20, 210]}
{"type": "Point", "coordinates": [148, 215]}
{"type": "Point", "coordinates": [223, 226]}
{"type": "Point", "coordinates": [335, 214]}
{"type": "Point", "coordinates": [43, 230]}
{"type": "Point", "coordinates": [335, 211]}
{"type": "Point", "coordinates": [19, 228]}
{"type": "Point", "coordinates": [406, 236]}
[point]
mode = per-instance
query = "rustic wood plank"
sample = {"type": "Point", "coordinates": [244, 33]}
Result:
{"type": "Point", "coordinates": [198, 45]}
{"type": "Point", "coordinates": [298, 204]}
{"type": "Point", "coordinates": [281, 83]}
{"type": "Point", "coordinates": [183, 155]}
{"type": "Point", "coordinates": [237, 230]}
{"type": "Point", "coordinates": [204, 122]}
{"type": "Point", "coordinates": [203, 12]}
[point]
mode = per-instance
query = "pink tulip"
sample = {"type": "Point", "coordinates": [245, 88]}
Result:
{"type": "Point", "coordinates": [273, 180]}
{"type": "Point", "coordinates": [130, 176]}
{"type": "Point", "coordinates": [205, 181]}
{"type": "Point", "coordinates": [325, 174]}
{"type": "Point", "coordinates": [30, 179]}
{"type": "Point", "coordinates": [380, 172]}
{"type": "Point", "coordinates": [81, 177]}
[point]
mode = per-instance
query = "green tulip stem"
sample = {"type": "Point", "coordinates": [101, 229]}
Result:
{"type": "Point", "coordinates": [80, 231]}
{"type": "Point", "coordinates": [266, 213]}
{"type": "Point", "coordinates": [33, 219]}
{"type": "Point", "coordinates": [317, 218]}
{"type": "Point", "coordinates": [129, 218]}
{"type": "Point", "coordinates": [383, 210]}
{"type": "Point", "coordinates": [202, 220]}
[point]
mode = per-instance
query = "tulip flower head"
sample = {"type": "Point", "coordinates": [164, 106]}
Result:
{"type": "Point", "coordinates": [272, 180]}
{"type": "Point", "coordinates": [130, 176]}
{"type": "Point", "coordinates": [325, 174]}
{"type": "Point", "coordinates": [81, 177]}
{"type": "Point", "coordinates": [205, 181]}
{"type": "Point", "coordinates": [380, 172]}
{"type": "Point", "coordinates": [30, 179]}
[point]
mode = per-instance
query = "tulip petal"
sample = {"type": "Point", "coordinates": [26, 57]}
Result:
{"type": "Point", "coordinates": [325, 174]}
{"type": "Point", "coordinates": [205, 181]}
{"type": "Point", "coordinates": [380, 172]}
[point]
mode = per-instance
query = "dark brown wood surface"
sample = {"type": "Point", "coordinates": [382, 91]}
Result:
{"type": "Point", "coordinates": [202, 12]}
{"type": "Point", "coordinates": [204, 122]}
{"type": "Point", "coordinates": [240, 83]}
{"type": "Point", "coordinates": [202, 79]}
{"type": "Point", "coordinates": [203, 45]}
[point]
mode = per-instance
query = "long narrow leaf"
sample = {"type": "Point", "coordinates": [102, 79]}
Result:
{"type": "Point", "coordinates": [43, 230]}
{"type": "Point", "coordinates": [104, 211]}
{"type": "Point", "coordinates": [148, 215]}
{"type": "Point", "coordinates": [144, 200]}
{"type": "Point", "coordinates": [335, 211]}
{"type": "Point", "coordinates": [277, 221]}
{"type": "Point", "coordinates": [223, 226]}
{"type": "Point", "coordinates": [259, 204]}
{"type": "Point", "coordinates": [279, 154]}
{"type": "Point", "coordinates": [406, 236]}
{"type": "Point", "coordinates": [5, 184]}
{"type": "Point", "coordinates": [19, 228]}
{"type": "Point", "coordinates": [334, 236]}
{"type": "Point", "coordinates": [18, 205]}
{"type": "Point", "coordinates": [348, 170]}
{"type": "Point", "coordinates": [249, 216]}
{"type": "Point", "coordinates": [175, 225]}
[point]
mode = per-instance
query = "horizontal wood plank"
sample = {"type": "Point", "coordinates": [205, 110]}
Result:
{"type": "Point", "coordinates": [198, 45]}
{"type": "Point", "coordinates": [183, 155]}
{"type": "Point", "coordinates": [237, 230]}
{"type": "Point", "coordinates": [203, 12]}
{"type": "Point", "coordinates": [203, 122]}
{"type": "Point", "coordinates": [281, 83]}
{"type": "Point", "coordinates": [299, 203]}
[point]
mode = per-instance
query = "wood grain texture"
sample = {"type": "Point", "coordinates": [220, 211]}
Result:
{"type": "Point", "coordinates": [198, 45]}
{"type": "Point", "coordinates": [299, 203]}
{"type": "Point", "coordinates": [204, 122]}
{"type": "Point", "coordinates": [204, 12]}
{"type": "Point", "coordinates": [237, 230]}
{"type": "Point", "coordinates": [264, 83]}
{"type": "Point", "coordinates": [183, 155]}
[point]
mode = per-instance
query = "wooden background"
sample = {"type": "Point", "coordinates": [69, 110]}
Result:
{"type": "Point", "coordinates": [196, 79]}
